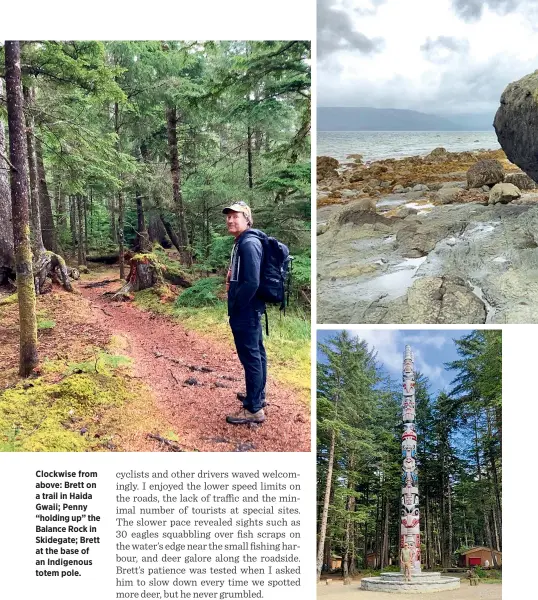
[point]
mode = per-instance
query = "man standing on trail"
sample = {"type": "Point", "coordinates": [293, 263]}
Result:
{"type": "Point", "coordinates": [406, 559]}
{"type": "Point", "coordinates": [245, 311]}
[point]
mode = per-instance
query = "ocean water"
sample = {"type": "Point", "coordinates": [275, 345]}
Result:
{"type": "Point", "coordinates": [375, 145]}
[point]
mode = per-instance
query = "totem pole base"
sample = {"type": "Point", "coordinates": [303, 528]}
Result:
{"type": "Point", "coordinates": [421, 583]}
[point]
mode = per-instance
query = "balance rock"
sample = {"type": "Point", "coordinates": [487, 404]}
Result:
{"type": "Point", "coordinates": [515, 123]}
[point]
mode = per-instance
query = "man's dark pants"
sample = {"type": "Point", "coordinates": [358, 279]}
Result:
{"type": "Point", "coordinates": [247, 332]}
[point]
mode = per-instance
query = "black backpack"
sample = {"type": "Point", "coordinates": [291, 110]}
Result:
{"type": "Point", "coordinates": [275, 276]}
{"type": "Point", "coordinates": [276, 271]}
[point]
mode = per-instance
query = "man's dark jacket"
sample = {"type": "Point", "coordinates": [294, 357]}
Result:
{"type": "Point", "coordinates": [247, 258]}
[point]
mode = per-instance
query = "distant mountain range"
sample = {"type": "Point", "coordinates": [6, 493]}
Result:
{"type": "Point", "coordinates": [394, 119]}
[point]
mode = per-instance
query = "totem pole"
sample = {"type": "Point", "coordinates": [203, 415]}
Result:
{"type": "Point", "coordinates": [410, 527]}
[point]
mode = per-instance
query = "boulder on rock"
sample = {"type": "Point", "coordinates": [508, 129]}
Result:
{"type": "Point", "coordinates": [403, 212]}
{"type": "Point", "coordinates": [376, 169]}
{"type": "Point", "coordinates": [398, 189]}
{"type": "Point", "coordinates": [357, 213]}
{"type": "Point", "coordinates": [415, 195]}
{"type": "Point", "coordinates": [485, 172]}
{"type": "Point", "coordinates": [454, 184]}
{"type": "Point", "coordinates": [326, 168]}
{"type": "Point", "coordinates": [321, 228]}
{"type": "Point", "coordinates": [420, 187]}
{"type": "Point", "coordinates": [356, 158]}
{"type": "Point", "coordinates": [515, 123]}
{"type": "Point", "coordinates": [520, 180]}
{"type": "Point", "coordinates": [447, 195]}
{"type": "Point", "coordinates": [437, 153]}
{"type": "Point", "coordinates": [503, 193]}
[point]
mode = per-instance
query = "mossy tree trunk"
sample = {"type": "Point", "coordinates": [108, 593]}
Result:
{"type": "Point", "coordinates": [47, 222]}
{"type": "Point", "coordinates": [7, 256]}
{"type": "Point", "coordinates": [73, 222]}
{"type": "Point", "coordinates": [121, 241]}
{"type": "Point", "coordinates": [18, 153]}
{"type": "Point", "coordinates": [85, 211]}
{"type": "Point", "coordinates": [41, 258]}
{"type": "Point", "coordinates": [45, 262]}
{"type": "Point", "coordinates": [61, 211]}
{"type": "Point", "coordinates": [249, 158]}
{"type": "Point", "coordinates": [121, 198]}
{"type": "Point", "coordinates": [142, 238]}
{"type": "Point", "coordinates": [175, 170]}
{"type": "Point", "coordinates": [81, 231]}
{"type": "Point", "coordinates": [157, 231]}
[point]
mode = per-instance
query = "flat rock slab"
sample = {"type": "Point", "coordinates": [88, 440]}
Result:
{"type": "Point", "coordinates": [423, 576]}
{"type": "Point", "coordinates": [417, 585]}
{"type": "Point", "coordinates": [479, 264]}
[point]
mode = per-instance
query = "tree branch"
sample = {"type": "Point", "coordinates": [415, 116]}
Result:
{"type": "Point", "coordinates": [9, 162]}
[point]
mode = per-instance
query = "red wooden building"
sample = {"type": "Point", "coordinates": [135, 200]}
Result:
{"type": "Point", "coordinates": [476, 557]}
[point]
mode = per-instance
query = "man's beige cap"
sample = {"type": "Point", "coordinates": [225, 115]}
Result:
{"type": "Point", "coordinates": [239, 207]}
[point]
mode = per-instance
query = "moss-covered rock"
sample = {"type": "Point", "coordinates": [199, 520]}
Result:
{"type": "Point", "coordinates": [485, 172]}
{"type": "Point", "coordinates": [40, 416]}
{"type": "Point", "coordinates": [326, 168]}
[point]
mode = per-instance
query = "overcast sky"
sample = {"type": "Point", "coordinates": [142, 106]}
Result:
{"type": "Point", "coordinates": [435, 56]}
{"type": "Point", "coordinates": [432, 349]}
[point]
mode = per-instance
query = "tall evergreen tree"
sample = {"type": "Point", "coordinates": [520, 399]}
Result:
{"type": "Point", "coordinates": [18, 155]}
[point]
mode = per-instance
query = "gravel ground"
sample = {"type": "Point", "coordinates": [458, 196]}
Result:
{"type": "Point", "coordinates": [165, 355]}
{"type": "Point", "coordinates": [338, 591]}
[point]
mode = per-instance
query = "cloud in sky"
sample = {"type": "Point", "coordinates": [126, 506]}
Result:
{"type": "Point", "coordinates": [337, 29]}
{"type": "Point", "coordinates": [433, 58]}
{"type": "Point", "coordinates": [442, 48]}
{"type": "Point", "coordinates": [432, 349]}
{"type": "Point", "coordinates": [471, 10]}
{"type": "Point", "coordinates": [437, 340]}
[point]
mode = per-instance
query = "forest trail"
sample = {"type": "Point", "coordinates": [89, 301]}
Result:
{"type": "Point", "coordinates": [338, 591]}
{"type": "Point", "coordinates": [165, 355]}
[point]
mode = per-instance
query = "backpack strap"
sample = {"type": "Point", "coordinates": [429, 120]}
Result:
{"type": "Point", "coordinates": [266, 322]}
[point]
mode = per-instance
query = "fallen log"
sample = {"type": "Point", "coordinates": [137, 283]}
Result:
{"type": "Point", "coordinates": [102, 283]}
{"type": "Point", "coordinates": [176, 278]}
{"type": "Point", "coordinates": [107, 259]}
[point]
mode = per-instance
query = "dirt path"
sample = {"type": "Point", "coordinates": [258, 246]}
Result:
{"type": "Point", "coordinates": [169, 359]}
{"type": "Point", "coordinates": [338, 591]}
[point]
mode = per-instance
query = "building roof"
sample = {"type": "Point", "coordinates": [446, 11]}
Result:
{"type": "Point", "coordinates": [477, 548]}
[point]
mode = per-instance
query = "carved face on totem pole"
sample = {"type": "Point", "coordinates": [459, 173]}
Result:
{"type": "Point", "coordinates": [408, 406]}
{"type": "Point", "coordinates": [409, 448]}
{"type": "Point", "coordinates": [408, 387]}
{"type": "Point", "coordinates": [409, 478]}
{"type": "Point", "coordinates": [411, 518]}
{"type": "Point", "coordinates": [409, 432]}
{"type": "Point", "coordinates": [410, 496]}
{"type": "Point", "coordinates": [409, 464]}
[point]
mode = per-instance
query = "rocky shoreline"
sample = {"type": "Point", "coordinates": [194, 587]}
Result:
{"type": "Point", "coordinates": [445, 238]}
